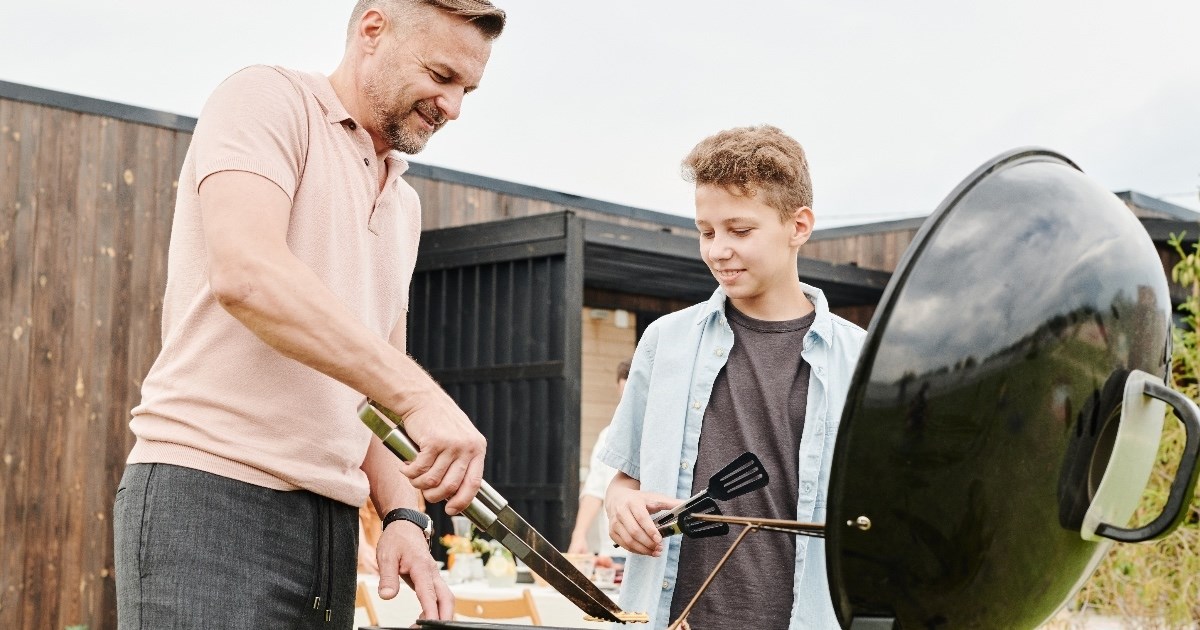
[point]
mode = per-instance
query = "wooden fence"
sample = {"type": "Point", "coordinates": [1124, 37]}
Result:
{"type": "Point", "coordinates": [85, 214]}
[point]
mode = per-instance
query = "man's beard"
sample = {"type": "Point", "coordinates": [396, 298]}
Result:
{"type": "Point", "coordinates": [390, 123]}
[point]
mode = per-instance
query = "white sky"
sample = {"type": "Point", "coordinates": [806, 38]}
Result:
{"type": "Point", "coordinates": [895, 102]}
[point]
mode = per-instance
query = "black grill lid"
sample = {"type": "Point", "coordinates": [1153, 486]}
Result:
{"type": "Point", "coordinates": [995, 361]}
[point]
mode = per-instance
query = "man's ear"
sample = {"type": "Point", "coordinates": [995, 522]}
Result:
{"type": "Point", "coordinates": [370, 29]}
{"type": "Point", "coordinates": [802, 225]}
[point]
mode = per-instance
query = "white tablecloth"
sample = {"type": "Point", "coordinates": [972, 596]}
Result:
{"type": "Point", "coordinates": [403, 609]}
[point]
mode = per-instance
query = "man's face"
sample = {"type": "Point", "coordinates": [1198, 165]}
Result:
{"type": "Point", "coordinates": [746, 245]}
{"type": "Point", "coordinates": [416, 80]}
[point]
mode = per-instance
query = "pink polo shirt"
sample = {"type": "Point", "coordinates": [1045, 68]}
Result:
{"type": "Point", "coordinates": [217, 398]}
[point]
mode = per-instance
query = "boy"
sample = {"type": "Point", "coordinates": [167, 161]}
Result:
{"type": "Point", "coordinates": [762, 366]}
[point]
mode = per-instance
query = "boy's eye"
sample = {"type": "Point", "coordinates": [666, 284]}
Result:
{"type": "Point", "coordinates": [742, 232]}
{"type": "Point", "coordinates": [706, 234]}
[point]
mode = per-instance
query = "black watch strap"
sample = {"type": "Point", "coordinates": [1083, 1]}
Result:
{"type": "Point", "coordinates": [416, 518]}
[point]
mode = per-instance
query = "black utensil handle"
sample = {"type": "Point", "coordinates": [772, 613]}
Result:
{"type": "Point", "coordinates": [1184, 484]}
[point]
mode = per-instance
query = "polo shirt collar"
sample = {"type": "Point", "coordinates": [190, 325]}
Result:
{"type": "Point", "coordinates": [336, 113]}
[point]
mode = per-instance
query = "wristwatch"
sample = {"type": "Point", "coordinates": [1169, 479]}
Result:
{"type": "Point", "coordinates": [416, 518]}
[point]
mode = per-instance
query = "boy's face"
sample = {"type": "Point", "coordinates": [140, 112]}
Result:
{"type": "Point", "coordinates": [748, 248]}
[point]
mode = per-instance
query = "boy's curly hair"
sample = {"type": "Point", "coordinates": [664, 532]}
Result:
{"type": "Point", "coordinates": [751, 161]}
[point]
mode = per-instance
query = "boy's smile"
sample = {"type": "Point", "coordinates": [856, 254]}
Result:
{"type": "Point", "coordinates": [751, 251]}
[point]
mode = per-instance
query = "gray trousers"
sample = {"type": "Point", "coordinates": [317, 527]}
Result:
{"type": "Point", "coordinates": [197, 550]}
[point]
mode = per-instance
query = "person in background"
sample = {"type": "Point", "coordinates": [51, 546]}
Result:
{"type": "Point", "coordinates": [292, 249]}
{"type": "Point", "coordinates": [591, 498]}
{"type": "Point", "coordinates": [762, 366]}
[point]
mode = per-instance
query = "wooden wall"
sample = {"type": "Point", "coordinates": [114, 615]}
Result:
{"type": "Point", "coordinates": [609, 337]}
{"type": "Point", "coordinates": [870, 250]}
{"type": "Point", "coordinates": [449, 204]}
{"type": "Point", "coordinates": [85, 210]}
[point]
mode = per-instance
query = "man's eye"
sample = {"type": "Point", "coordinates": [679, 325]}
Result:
{"type": "Point", "coordinates": [439, 78]}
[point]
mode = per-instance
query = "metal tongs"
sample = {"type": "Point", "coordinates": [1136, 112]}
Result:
{"type": "Point", "coordinates": [742, 475]}
{"type": "Point", "coordinates": [491, 513]}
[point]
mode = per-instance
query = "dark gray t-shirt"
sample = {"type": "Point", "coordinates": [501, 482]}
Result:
{"type": "Point", "coordinates": [757, 404]}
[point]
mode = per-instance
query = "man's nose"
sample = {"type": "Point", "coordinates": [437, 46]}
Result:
{"type": "Point", "coordinates": [450, 104]}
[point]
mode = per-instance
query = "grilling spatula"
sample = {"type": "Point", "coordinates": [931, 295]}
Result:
{"type": "Point", "coordinates": [742, 475]}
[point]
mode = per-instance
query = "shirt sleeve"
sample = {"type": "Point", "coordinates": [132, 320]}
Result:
{"type": "Point", "coordinates": [255, 121]}
{"type": "Point", "coordinates": [599, 473]}
{"type": "Point", "coordinates": [623, 446]}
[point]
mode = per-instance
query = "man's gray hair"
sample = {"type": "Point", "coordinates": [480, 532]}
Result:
{"type": "Point", "coordinates": [483, 14]}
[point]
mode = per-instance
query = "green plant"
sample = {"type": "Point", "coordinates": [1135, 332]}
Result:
{"type": "Point", "coordinates": [1158, 584]}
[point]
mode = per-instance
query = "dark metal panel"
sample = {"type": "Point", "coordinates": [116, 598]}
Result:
{"type": "Point", "coordinates": [502, 333]}
{"type": "Point", "coordinates": [620, 258]}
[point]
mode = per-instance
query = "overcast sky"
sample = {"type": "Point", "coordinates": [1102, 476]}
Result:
{"type": "Point", "coordinates": [895, 102]}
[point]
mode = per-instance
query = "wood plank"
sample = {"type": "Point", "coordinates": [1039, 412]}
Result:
{"type": "Point", "coordinates": [111, 409]}
{"type": "Point", "coordinates": [86, 426]}
{"type": "Point", "coordinates": [43, 518]}
{"type": "Point", "coordinates": [19, 124]}
{"type": "Point", "coordinates": [70, 286]}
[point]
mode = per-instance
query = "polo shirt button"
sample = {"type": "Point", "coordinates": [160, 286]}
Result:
{"type": "Point", "coordinates": [666, 585]}
{"type": "Point", "coordinates": [367, 161]}
{"type": "Point", "coordinates": [353, 125]}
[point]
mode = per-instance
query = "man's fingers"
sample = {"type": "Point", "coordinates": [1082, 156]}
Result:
{"type": "Point", "coordinates": [434, 481]}
{"type": "Point", "coordinates": [422, 464]}
{"type": "Point", "coordinates": [445, 600]}
{"type": "Point", "coordinates": [423, 587]}
{"type": "Point", "coordinates": [389, 582]}
{"type": "Point", "coordinates": [468, 486]}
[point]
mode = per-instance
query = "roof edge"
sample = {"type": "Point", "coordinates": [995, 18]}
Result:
{"type": "Point", "coordinates": [98, 107]}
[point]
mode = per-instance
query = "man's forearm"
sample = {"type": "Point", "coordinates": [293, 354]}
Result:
{"type": "Point", "coordinates": [389, 488]}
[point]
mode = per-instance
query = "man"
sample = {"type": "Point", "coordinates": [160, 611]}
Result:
{"type": "Point", "coordinates": [762, 366]}
{"type": "Point", "coordinates": [292, 248]}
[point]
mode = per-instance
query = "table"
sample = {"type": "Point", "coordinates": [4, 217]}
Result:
{"type": "Point", "coordinates": [403, 609]}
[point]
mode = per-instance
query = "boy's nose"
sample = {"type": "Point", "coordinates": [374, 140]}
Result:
{"type": "Point", "coordinates": [719, 251]}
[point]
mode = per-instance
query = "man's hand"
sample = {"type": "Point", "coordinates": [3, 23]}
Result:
{"type": "Point", "coordinates": [450, 464]}
{"type": "Point", "coordinates": [404, 553]}
{"type": "Point", "coordinates": [629, 511]}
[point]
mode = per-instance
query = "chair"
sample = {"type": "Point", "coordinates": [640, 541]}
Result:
{"type": "Point", "coordinates": [362, 599]}
{"type": "Point", "coordinates": [498, 608]}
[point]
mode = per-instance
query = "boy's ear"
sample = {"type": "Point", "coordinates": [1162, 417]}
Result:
{"type": "Point", "coordinates": [802, 225]}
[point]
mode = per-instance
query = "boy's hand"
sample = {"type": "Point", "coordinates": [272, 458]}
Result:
{"type": "Point", "coordinates": [629, 511]}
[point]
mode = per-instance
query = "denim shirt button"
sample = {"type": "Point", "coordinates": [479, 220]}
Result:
{"type": "Point", "coordinates": [695, 404]}
{"type": "Point", "coordinates": [720, 352]}
{"type": "Point", "coordinates": [683, 465]}
{"type": "Point", "coordinates": [806, 487]}
{"type": "Point", "coordinates": [666, 585]}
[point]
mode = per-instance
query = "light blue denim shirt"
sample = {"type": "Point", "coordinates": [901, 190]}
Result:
{"type": "Point", "coordinates": [655, 435]}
